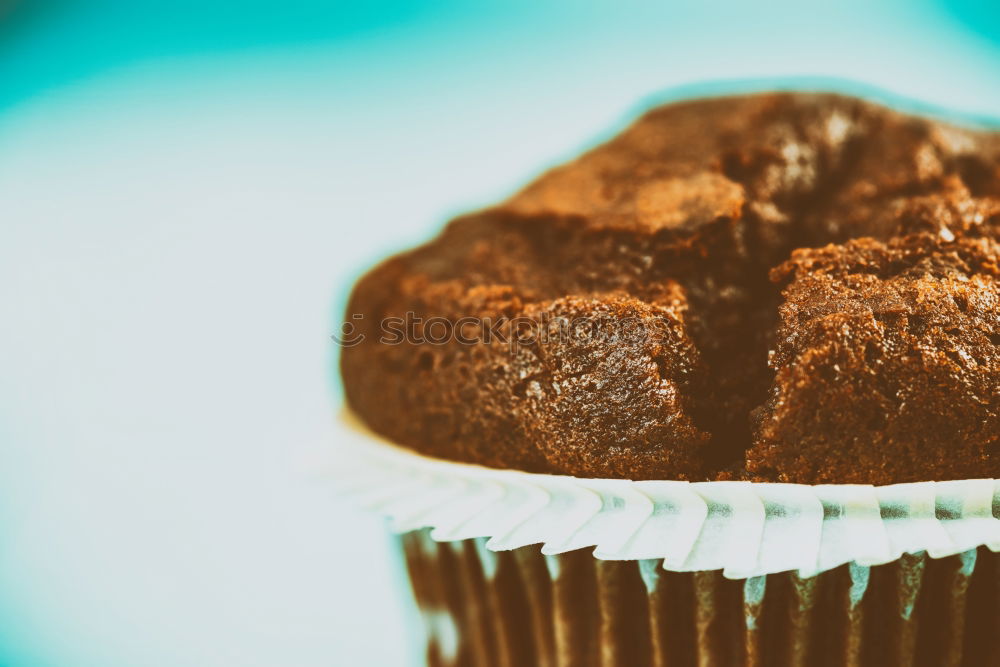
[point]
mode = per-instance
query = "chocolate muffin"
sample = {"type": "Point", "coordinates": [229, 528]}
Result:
{"type": "Point", "coordinates": [623, 315]}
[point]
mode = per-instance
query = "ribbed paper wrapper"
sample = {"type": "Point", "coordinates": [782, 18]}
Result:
{"type": "Point", "coordinates": [520, 608]}
{"type": "Point", "coordinates": [519, 569]}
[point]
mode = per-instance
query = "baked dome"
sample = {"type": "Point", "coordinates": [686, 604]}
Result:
{"type": "Point", "coordinates": [667, 305]}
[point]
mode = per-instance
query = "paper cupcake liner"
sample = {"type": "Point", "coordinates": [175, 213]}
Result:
{"type": "Point", "coordinates": [519, 608]}
{"type": "Point", "coordinates": [744, 529]}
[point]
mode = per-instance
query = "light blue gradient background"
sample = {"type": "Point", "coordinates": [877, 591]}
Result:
{"type": "Point", "coordinates": [187, 190]}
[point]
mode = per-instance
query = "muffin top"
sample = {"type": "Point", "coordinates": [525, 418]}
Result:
{"type": "Point", "coordinates": [778, 287]}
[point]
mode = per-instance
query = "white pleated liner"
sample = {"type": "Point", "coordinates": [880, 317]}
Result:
{"type": "Point", "coordinates": [745, 529]}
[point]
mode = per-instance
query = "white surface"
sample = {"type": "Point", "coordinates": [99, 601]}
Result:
{"type": "Point", "coordinates": [166, 287]}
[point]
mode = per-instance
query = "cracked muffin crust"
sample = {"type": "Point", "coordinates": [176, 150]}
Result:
{"type": "Point", "coordinates": [616, 318]}
{"type": "Point", "coordinates": [887, 364]}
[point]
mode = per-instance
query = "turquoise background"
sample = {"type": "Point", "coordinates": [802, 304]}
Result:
{"type": "Point", "coordinates": [187, 190]}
